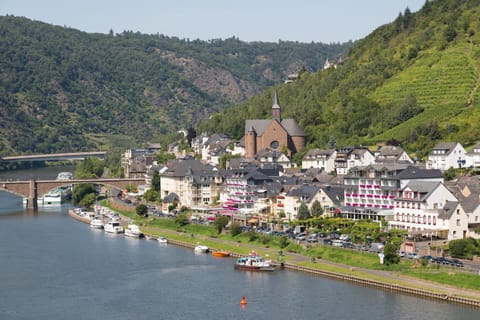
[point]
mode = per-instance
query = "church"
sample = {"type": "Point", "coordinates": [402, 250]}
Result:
{"type": "Point", "coordinates": [274, 134]}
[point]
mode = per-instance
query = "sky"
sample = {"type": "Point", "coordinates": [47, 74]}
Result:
{"type": "Point", "coordinates": [324, 21]}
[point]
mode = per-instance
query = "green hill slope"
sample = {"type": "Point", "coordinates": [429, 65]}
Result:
{"type": "Point", "coordinates": [415, 80]}
{"type": "Point", "coordinates": [65, 90]}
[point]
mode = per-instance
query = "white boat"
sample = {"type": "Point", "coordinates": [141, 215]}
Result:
{"type": "Point", "coordinates": [52, 197]}
{"type": "Point", "coordinates": [162, 240]}
{"type": "Point", "coordinates": [96, 223]}
{"type": "Point", "coordinates": [254, 262]}
{"type": "Point", "coordinates": [113, 227]}
{"type": "Point", "coordinates": [57, 195]}
{"type": "Point", "coordinates": [201, 249]}
{"type": "Point", "coordinates": [132, 230]}
{"type": "Point", "coordinates": [65, 176]}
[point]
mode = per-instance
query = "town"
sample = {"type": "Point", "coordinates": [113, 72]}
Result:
{"type": "Point", "coordinates": [260, 187]}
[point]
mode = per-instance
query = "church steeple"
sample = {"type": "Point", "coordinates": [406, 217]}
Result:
{"type": "Point", "coordinates": [276, 110]}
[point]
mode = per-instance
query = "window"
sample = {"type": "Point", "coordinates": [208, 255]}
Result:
{"type": "Point", "coordinates": [458, 222]}
{"type": "Point", "coordinates": [274, 144]}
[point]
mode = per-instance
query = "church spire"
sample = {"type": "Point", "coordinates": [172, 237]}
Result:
{"type": "Point", "coordinates": [276, 110]}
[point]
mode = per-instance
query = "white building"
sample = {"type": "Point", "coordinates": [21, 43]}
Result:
{"type": "Point", "coordinates": [194, 183]}
{"type": "Point", "coordinates": [446, 155]}
{"type": "Point", "coordinates": [350, 157]}
{"type": "Point", "coordinates": [473, 157]}
{"type": "Point", "coordinates": [317, 158]}
{"type": "Point", "coordinates": [429, 208]}
{"type": "Point", "coordinates": [392, 154]}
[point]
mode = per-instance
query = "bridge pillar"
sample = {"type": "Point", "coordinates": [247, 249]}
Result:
{"type": "Point", "coordinates": [32, 195]}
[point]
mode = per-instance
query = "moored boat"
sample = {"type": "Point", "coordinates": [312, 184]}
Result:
{"type": "Point", "coordinates": [220, 254]}
{"type": "Point", "coordinates": [254, 262]}
{"type": "Point", "coordinates": [201, 249]}
{"type": "Point", "coordinates": [96, 223]}
{"type": "Point", "coordinates": [113, 227]}
{"type": "Point", "coordinates": [132, 230]}
{"type": "Point", "coordinates": [162, 240]}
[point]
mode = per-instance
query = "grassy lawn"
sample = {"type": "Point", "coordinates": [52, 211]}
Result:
{"type": "Point", "coordinates": [452, 277]}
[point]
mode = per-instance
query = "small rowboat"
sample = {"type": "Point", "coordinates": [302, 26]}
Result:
{"type": "Point", "coordinates": [220, 254]}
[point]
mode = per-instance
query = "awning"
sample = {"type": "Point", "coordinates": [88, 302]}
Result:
{"type": "Point", "coordinates": [252, 221]}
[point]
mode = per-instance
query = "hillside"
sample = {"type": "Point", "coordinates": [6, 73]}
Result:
{"type": "Point", "coordinates": [415, 80]}
{"type": "Point", "coordinates": [66, 90]}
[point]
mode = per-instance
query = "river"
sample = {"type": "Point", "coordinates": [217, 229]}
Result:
{"type": "Point", "coordinates": [53, 267]}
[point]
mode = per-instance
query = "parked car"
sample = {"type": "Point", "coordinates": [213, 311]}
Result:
{"type": "Point", "coordinates": [334, 235]}
{"type": "Point", "coordinates": [301, 236]}
{"type": "Point", "coordinates": [327, 242]}
{"type": "Point", "coordinates": [442, 260]}
{"type": "Point", "coordinates": [456, 263]}
{"type": "Point", "coordinates": [401, 254]}
{"type": "Point", "coordinates": [428, 258]}
{"type": "Point", "coordinates": [412, 255]}
{"type": "Point", "coordinates": [312, 238]}
{"type": "Point", "coordinates": [348, 245]}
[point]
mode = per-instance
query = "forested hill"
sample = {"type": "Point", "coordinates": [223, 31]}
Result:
{"type": "Point", "coordinates": [66, 90]}
{"type": "Point", "coordinates": [415, 80]}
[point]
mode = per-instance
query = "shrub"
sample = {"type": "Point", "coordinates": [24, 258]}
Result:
{"type": "Point", "coordinates": [235, 229]}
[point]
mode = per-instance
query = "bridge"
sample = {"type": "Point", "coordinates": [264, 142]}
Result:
{"type": "Point", "coordinates": [56, 156]}
{"type": "Point", "coordinates": [33, 189]}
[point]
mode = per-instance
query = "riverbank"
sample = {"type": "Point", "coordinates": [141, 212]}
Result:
{"type": "Point", "coordinates": [380, 279]}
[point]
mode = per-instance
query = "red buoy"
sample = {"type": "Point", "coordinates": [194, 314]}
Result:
{"type": "Point", "coordinates": [243, 301]}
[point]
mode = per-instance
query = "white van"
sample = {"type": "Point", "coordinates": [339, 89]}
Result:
{"type": "Point", "coordinates": [299, 229]}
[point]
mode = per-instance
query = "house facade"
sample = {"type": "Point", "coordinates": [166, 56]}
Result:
{"type": "Point", "coordinates": [446, 155]}
{"type": "Point", "coordinates": [473, 157]}
{"type": "Point", "coordinates": [392, 154]}
{"type": "Point", "coordinates": [429, 209]}
{"type": "Point", "coordinates": [350, 157]}
{"type": "Point", "coordinates": [195, 183]}
{"type": "Point", "coordinates": [318, 158]}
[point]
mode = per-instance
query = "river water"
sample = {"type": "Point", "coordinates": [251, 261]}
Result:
{"type": "Point", "coordinates": [53, 267]}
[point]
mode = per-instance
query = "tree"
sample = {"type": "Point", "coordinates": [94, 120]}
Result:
{"type": "Point", "coordinates": [142, 210]}
{"type": "Point", "coordinates": [87, 201]}
{"type": "Point", "coordinates": [156, 180]}
{"type": "Point", "coordinates": [332, 143]}
{"type": "Point", "coordinates": [390, 252]}
{"type": "Point", "coordinates": [303, 212]}
{"type": "Point", "coordinates": [151, 195]}
{"type": "Point", "coordinates": [182, 219]}
{"type": "Point", "coordinates": [316, 209]}
{"type": "Point", "coordinates": [235, 229]}
{"type": "Point", "coordinates": [220, 223]}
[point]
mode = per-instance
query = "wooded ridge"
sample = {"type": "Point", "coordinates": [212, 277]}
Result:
{"type": "Point", "coordinates": [66, 90]}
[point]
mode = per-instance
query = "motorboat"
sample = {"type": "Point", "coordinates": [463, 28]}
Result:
{"type": "Point", "coordinates": [96, 223]}
{"type": "Point", "coordinates": [254, 262]}
{"type": "Point", "coordinates": [113, 227]}
{"type": "Point", "coordinates": [65, 176]}
{"type": "Point", "coordinates": [220, 254]}
{"type": "Point", "coordinates": [162, 240]}
{"type": "Point", "coordinates": [132, 230]}
{"type": "Point", "coordinates": [201, 249]}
